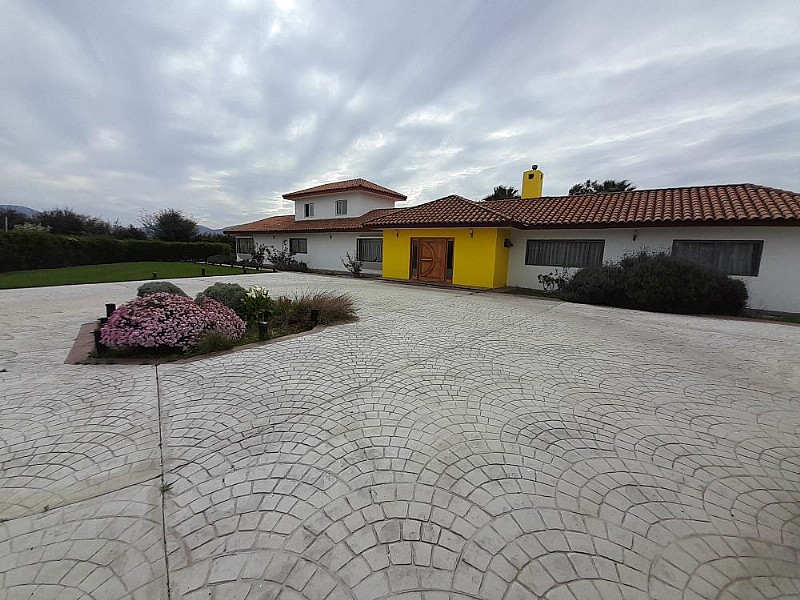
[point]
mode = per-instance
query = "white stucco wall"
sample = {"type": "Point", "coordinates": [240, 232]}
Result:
{"type": "Point", "coordinates": [325, 250]}
{"type": "Point", "coordinates": [358, 203]}
{"type": "Point", "coordinates": [777, 286]}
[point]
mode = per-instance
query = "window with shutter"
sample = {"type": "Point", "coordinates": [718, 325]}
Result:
{"type": "Point", "coordinates": [564, 253]}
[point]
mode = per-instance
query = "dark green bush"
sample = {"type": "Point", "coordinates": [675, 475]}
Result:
{"type": "Point", "coordinates": [231, 295]}
{"type": "Point", "coordinates": [658, 282]}
{"type": "Point", "coordinates": [151, 287]}
{"type": "Point", "coordinates": [22, 250]}
{"type": "Point", "coordinates": [596, 285]}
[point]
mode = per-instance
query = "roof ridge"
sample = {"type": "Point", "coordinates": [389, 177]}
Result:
{"type": "Point", "coordinates": [643, 190]}
{"type": "Point", "coordinates": [344, 186]}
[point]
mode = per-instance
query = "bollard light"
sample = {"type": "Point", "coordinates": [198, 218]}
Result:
{"type": "Point", "coordinates": [314, 317]}
{"type": "Point", "coordinates": [99, 347]}
{"type": "Point", "coordinates": [155, 275]}
{"type": "Point", "coordinates": [202, 271]}
{"type": "Point", "coordinates": [110, 308]}
{"type": "Point", "coordinates": [263, 330]}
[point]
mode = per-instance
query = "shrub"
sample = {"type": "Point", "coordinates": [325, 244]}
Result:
{"type": "Point", "coordinates": [231, 295]}
{"type": "Point", "coordinates": [726, 296]}
{"type": "Point", "coordinates": [155, 287]}
{"type": "Point", "coordinates": [554, 280]}
{"type": "Point", "coordinates": [258, 306]}
{"type": "Point", "coordinates": [259, 253]}
{"type": "Point", "coordinates": [658, 282]}
{"type": "Point", "coordinates": [283, 259]}
{"type": "Point", "coordinates": [353, 265]}
{"type": "Point", "coordinates": [331, 308]}
{"type": "Point", "coordinates": [596, 285]}
{"type": "Point", "coordinates": [168, 321]}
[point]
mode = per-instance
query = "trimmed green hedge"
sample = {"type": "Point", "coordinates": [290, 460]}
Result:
{"type": "Point", "coordinates": [26, 250]}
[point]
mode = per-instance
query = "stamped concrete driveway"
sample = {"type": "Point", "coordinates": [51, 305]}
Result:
{"type": "Point", "coordinates": [448, 445]}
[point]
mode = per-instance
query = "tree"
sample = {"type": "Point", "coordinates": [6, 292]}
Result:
{"type": "Point", "coordinates": [608, 186]}
{"type": "Point", "coordinates": [502, 192]}
{"type": "Point", "coordinates": [169, 225]}
{"type": "Point", "coordinates": [65, 221]}
{"type": "Point", "coordinates": [10, 218]}
{"type": "Point", "coordinates": [127, 233]}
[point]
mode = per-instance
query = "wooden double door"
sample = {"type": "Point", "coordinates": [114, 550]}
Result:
{"type": "Point", "coordinates": [432, 259]}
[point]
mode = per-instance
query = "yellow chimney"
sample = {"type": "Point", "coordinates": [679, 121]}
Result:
{"type": "Point", "coordinates": [532, 182]}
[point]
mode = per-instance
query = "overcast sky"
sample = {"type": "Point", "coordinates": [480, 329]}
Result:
{"type": "Point", "coordinates": [117, 107]}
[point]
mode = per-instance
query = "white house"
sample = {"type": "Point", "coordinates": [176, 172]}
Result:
{"type": "Point", "coordinates": [747, 231]}
{"type": "Point", "coordinates": [329, 222]}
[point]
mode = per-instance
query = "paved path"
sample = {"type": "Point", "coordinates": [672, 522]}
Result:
{"type": "Point", "coordinates": [448, 445]}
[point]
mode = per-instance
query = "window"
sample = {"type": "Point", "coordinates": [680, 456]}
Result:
{"type": "Point", "coordinates": [369, 249]}
{"type": "Point", "coordinates": [308, 209]}
{"type": "Point", "coordinates": [564, 253]}
{"type": "Point", "coordinates": [728, 257]}
{"type": "Point", "coordinates": [341, 207]}
{"type": "Point", "coordinates": [298, 245]}
{"type": "Point", "coordinates": [244, 245]}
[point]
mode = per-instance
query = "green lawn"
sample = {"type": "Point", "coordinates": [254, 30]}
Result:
{"type": "Point", "coordinates": [115, 272]}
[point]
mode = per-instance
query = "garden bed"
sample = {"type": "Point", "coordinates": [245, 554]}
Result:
{"type": "Point", "coordinates": [83, 350]}
{"type": "Point", "coordinates": [163, 324]}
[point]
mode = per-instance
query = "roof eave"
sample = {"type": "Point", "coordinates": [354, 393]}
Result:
{"type": "Point", "coordinates": [294, 196]}
{"type": "Point", "coordinates": [672, 223]}
{"type": "Point", "coordinates": [328, 230]}
{"type": "Point", "coordinates": [445, 224]}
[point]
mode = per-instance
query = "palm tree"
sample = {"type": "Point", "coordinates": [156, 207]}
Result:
{"type": "Point", "coordinates": [608, 186]}
{"type": "Point", "coordinates": [502, 192]}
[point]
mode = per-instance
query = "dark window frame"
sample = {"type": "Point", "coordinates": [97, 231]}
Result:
{"type": "Point", "coordinates": [593, 258]}
{"type": "Point", "coordinates": [295, 242]}
{"type": "Point", "coordinates": [252, 245]}
{"type": "Point", "coordinates": [360, 252]}
{"type": "Point", "coordinates": [714, 258]}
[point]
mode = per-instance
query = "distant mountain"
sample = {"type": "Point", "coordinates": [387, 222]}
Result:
{"type": "Point", "coordinates": [203, 230]}
{"type": "Point", "coordinates": [25, 210]}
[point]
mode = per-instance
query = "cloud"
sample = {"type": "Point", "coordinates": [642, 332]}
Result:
{"type": "Point", "coordinates": [218, 109]}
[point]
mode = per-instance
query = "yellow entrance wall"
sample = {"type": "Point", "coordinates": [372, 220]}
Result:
{"type": "Point", "coordinates": [479, 258]}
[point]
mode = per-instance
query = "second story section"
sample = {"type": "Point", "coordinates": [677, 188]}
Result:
{"type": "Point", "coordinates": [341, 200]}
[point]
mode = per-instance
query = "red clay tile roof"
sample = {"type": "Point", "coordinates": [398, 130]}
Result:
{"type": "Point", "coordinates": [345, 186]}
{"type": "Point", "coordinates": [717, 204]}
{"type": "Point", "coordinates": [744, 202]}
{"type": "Point", "coordinates": [287, 224]}
{"type": "Point", "coordinates": [447, 211]}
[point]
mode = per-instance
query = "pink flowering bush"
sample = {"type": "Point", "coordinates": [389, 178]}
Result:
{"type": "Point", "coordinates": [168, 321]}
